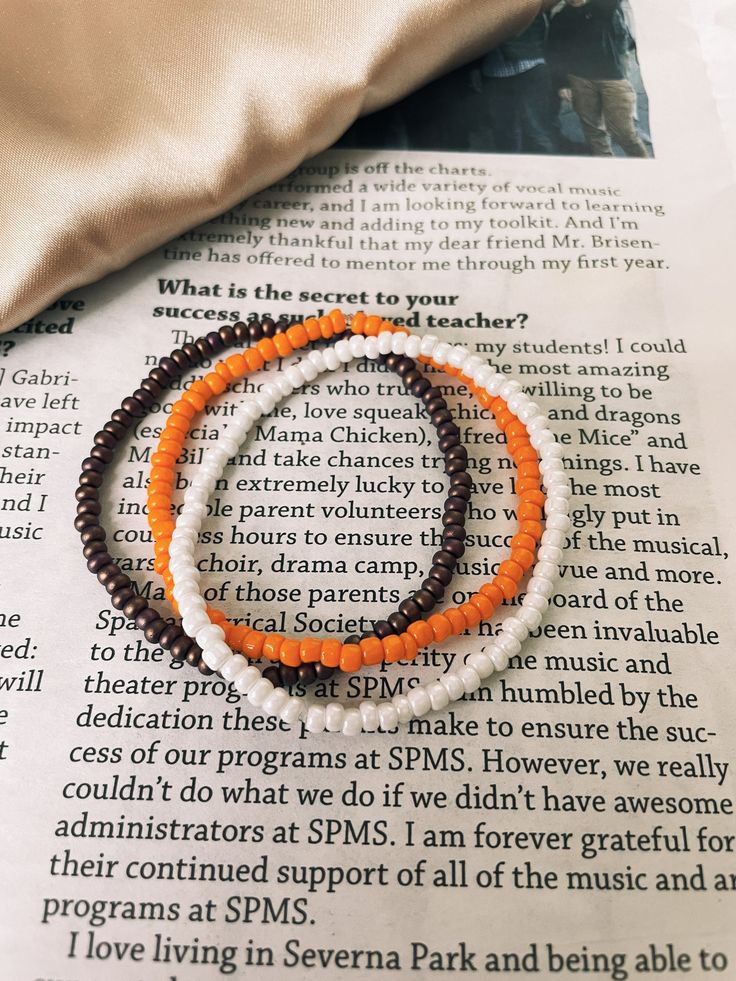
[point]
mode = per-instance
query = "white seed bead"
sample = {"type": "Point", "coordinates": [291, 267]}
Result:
{"type": "Point", "coordinates": [482, 375]}
{"type": "Point", "coordinates": [235, 666]}
{"type": "Point", "coordinates": [542, 586]}
{"type": "Point", "coordinates": [507, 643]}
{"type": "Point", "coordinates": [469, 677]}
{"type": "Point", "coordinates": [356, 343]}
{"type": "Point", "coordinates": [294, 376]}
{"type": "Point", "coordinates": [308, 370]}
{"type": "Point", "coordinates": [441, 352]}
{"type": "Point", "coordinates": [210, 634]}
{"type": "Point", "coordinates": [530, 618]}
{"type": "Point", "coordinates": [334, 717]}
{"type": "Point", "coordinates": [216, 655]}
{"type": "Point", "coordinates": [536, 602]}
{"type": "Point", "coordinates": [403, 708]}
{"type": "Point", "coordinates": [559, 522]}
{"type": "Point", "coordinates": [250, 410]}
{"type": "Point", "coordinates": [384, 342]}
{"type": "Point", "coordinates": [292, 710]}
{"type": "Point", "coordinates": [453, 685]}
{"type": "Point", "coordinates": [429, 343]}
{"type": "Point", "coordinates": [331, 359]}
{"type": "Point", "coordinates": [272, 390]}
{"type": "Point", "coordinates": [371, 348]}
{"type": "Point", "coordinates": [517, 402]}
{"type": "Point", "coordinates": [499, 658]}
{"type": "Point", "coordinates": [508, 389]}
{"type": "Point", "coordinates": [398, 343]}
{"type": "Point", "coordinates": [245, 681]}
{"type": "Point", "coordinates": [548, 553]}
{"type": "Point", "coordinates": [352, 724]}
{"type": "Point", "coordinates": [458, 356]}
{"type": "Point", "coordinates": [413, 346]}
{"type": "Point", "coordinates": [515, 627]}
{"type": "Point", "coordinates": [472, 365]}
{"type": "Point", "coordinates": [554, 538]}
{"type": "Point", "coordinates": [388, 717]}
{"type": "Point", "coordinates": [368, 716]}
{"type": "Point", "coordinates": [495, 383]}
{"type": "Point", "coordinates": [439, 697]}
{"type": "Point", "coordinates": [419, 701]}
{"type": "Point", "coordinates": [317, 360]}
{"type": "Point", "coordinates": [342, 350]}
{"type": "Point", "coordinates": [194, 622]}
{"type": "Point", "coordinates": [275, 702]}
{"type": "Point", "coordinates": [260, 692]}
{"type": "Point", "coordinates": [556, 504]}
{"type": "Point", "coordinates": [315, 721]}
{"type": "Point", "coordinates": [284, 385]}
{"type": "Point", "coordinates": [546, 570]}
{"type": "Point", "coordinates": [480, 663]}
{"type": "Point", "coordinates": [528, 412]}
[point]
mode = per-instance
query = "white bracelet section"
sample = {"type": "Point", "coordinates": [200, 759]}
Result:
{"type": "Point", "coordinates": [369, 716]}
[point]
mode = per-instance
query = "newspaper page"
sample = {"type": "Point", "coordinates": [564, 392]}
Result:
{"type": "Point", "coordinates": [569, 221]}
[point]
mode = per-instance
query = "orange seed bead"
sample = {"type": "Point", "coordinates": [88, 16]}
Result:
{"type": "Point", "coordinates": [457, 620]}
{"type": "Point", "coordinates": [330, 652]}
{"type": "Point", "coordinates": [289, 653]}
{"type": "Point", "coordinates": [393, 648]}
{"type": "Point", "coordinates": [311, 325]}
{"type": "Point", "coordinates": [506, 585]}
{"type": "Point", "coordinates": [297, 335]}
{"type": "Point", "coordinates": [310, 650]}
{"type": "Point", "coordinates": [483, 605]}
{"type": "Point", "coordinates": [441, 627]}
{"type": "Point", "coordinates": [253, 643]}
{"type": "Point", "coordinates": [493, 593]}
{"type": "Point", "coordinates": [253, 358]}
{"type": "Point", "coordinates": [471, 614]}
{"type": "Point", "coordinates": [326, 327]}
{"type": "Point", "coordinates": [410, 646]}
{"type": "Point", "coordinates": [267, 349]}
{"type": "Point", "coordinates": [523, 556]}
{"type": "Point", "coordinates": [371, 650]}
{"type": "Point", "coordinates": [421, 632]}
{"type": "Point", "coordinates": [357, 324]}
{"type": "Point", "coordinates": [272, 646]}
{"type": "Point", "coordinates": [283, 344]}
{"type": "Point", "coordinates": [350, 658]}
{"type": "Point", "coordinates": [511, 569]}
{"type": "Point", "coordinates": [338, 321]}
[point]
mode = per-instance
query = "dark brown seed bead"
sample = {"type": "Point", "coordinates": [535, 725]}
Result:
{"type": "Point", "coordinates": [181, 647]}
{"type": "Point", "coordinates": [323, 672]}
{"type": "Point", "coordinates": [169, 636]}
{"type": "Point", "coordinates": [227, 336]}
{"type": "Point", "coordinates": [435, 587]}
{"type": "Point", "coordinates": [133, 407]}
{"type": "Point", "coordinates": [116, 429]}
{"type": "Point", "coordinates": [152, 387]}
{"type": "Point", "coordinates": [203, 668]}
{"type": "Point", "coordinates": [159, 377]}
{"type": "Point", "coordinates": [352, 639]}
{"type": "Point", "coordinates": [447, 429]}
{"type": "Point", "coordinates": [454, 546]}
{"type": "Point", "coordinates": [435, 406]}
{"type": "Point", "coordinates": [456, 453]}
{"type": "Point", "coordinates": [456, 466]}
{"type": "Point", "coordinates": [215, 341]}
{"type": "Point", "coordinates": [87, 494]}
{"type": "Point", "coordinates": [424, 600]}
{"type": "Point", "coordinates": [453, 503]}
{"type": "Point", "coordinates": [307, 674]}
{"type": "Point", "coordinates": [404, 366]}
{"type": "Point", "coordinates": [240, 330]}
{"type": "Point", "coordinates": [103, 576]}
{"type": "Point", "coordinates": [445, 558]}
{"type": "Point", "coordinates": [398, 622]}
{"type": "Point", "coordinates": [459, 491]}
{"type": "Point", "coordinates": [134, 607]}
{"type": "Point", "coordinates": [268, 327]}
{"type": "Point", "coordinates": [103, 438]}
{"type": "Point", "coordinates": [448, 443]}
{"type": "Point", "coordinates": [381, 628]}
{"type": "Point", "coordinates": [99, 561]}
{"type": "Point", "coordinates": [181, 360]}
{"type": "Point", "coordinates": [93, 533]}
{"type": "Point", "coordinates": [419, 387]}
{"type": "Point", "coordinates": [289, 675]}
{"type": "Point", "coordinates": [122, 418]}
{"type": "Point", "coordinates": [145, 617]}
{"type": "Point", "coordinates": [280, 328]}
{"type": "Point", "coordinates": [192, 353]}
{"type": "Point", "coordinates": [203, 347]}
{"type": "Point", "coordinates": [441, 574]}
{"type": "Point", "coordinates": [453, 518]}
{"type": "Point", "coordinates": [121, 597]}
{"type": "Point", "coordinates": [155, 628]}
{"type": "Point", "coordinates": [411, 610]}
{"type": "Point", "coordinates": [90, 478]}
{"type": "Point", "coordinates": [83, 521]}
{"type": "Point", "coordinates": [146, 398]}
{"type": "Point", "coordinates": [411, 377]}
{"type": "Point", "coordinates": [272, 674]}
{"type": "Point", "coordinates": [101, 453]}
{"type": "Point", "coordinates": [92, 548]}
{"type": "Point", "coordinates": [193, 655]}
{"type": "Point", "coordinates": [461, 478]}
{"type": "Point", "coordinates": [453, 532]}
{"type": "Point", "coordinates": [116, 579]}
{"type": "Point", "coordinates": [91, 463]}
{"type": "Point", "coordinates": [431, 393]}
{"type": "Point", "coordinates": [255, 332]}
{"type": "Point", "coordinates": [170, 367]}
{"type": "Point", "coordinates": [391, 360]}
{"type": "Point", "coordinates": [89, 507]}
{"type": "Point", "coordinates": [438, 418]}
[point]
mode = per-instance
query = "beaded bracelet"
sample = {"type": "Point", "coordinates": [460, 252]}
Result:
{"type": "Point", "coordinates": [370, 649]}
{"type": "Point", "coordinates": [370, 716]}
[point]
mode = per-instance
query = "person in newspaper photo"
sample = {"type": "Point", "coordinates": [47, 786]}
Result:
{"type": "Point", "coordinates": [589, 44]}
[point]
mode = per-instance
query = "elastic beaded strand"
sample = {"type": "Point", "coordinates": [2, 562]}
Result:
{"type": "Point", "coordinates": [477, 666]}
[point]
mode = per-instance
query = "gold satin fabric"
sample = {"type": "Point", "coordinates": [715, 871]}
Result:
{"type": "Point", "coordinates": [124, 124]}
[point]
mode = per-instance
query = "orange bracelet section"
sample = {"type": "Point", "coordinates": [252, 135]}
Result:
{"type": "Point", "coordinates": [331, 651]}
